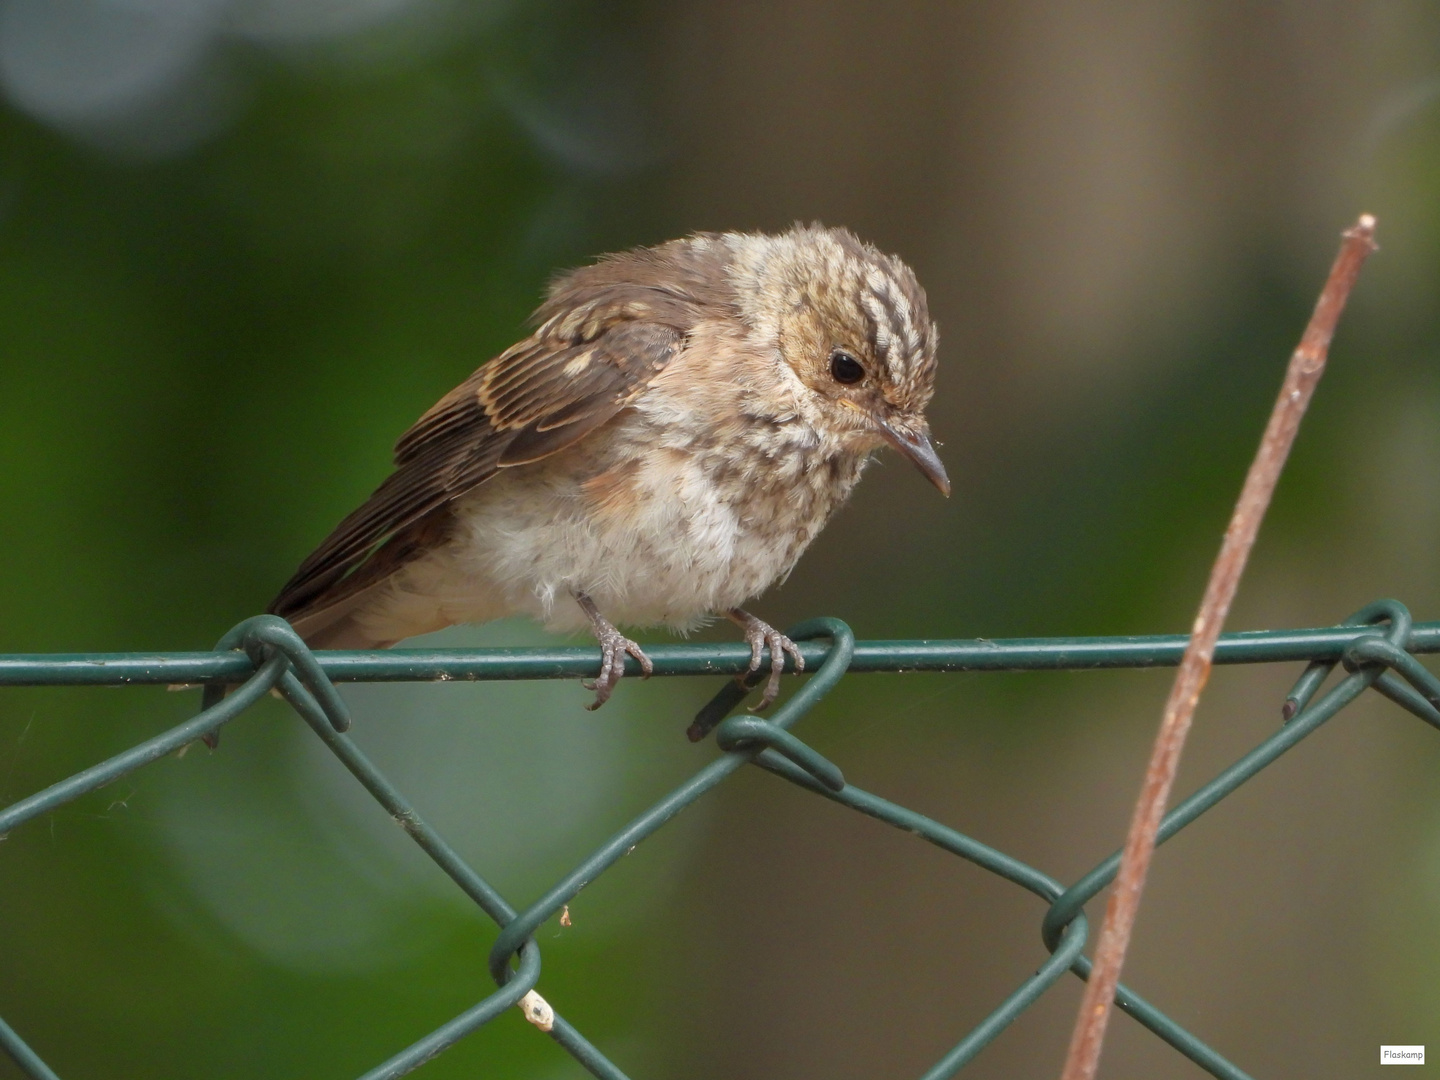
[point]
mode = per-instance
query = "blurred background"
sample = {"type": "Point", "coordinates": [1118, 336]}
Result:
{"type": "Point", "coordinates": [244, 243]}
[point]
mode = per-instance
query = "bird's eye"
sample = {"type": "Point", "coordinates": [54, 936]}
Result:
{"type": "Point", "coordinates": [844, 368]}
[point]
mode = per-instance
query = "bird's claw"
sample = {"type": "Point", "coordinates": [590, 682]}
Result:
{"type": "Point", "coordinates": [614, 647]}
{"type": "Point", "coordinates": [760, 635]}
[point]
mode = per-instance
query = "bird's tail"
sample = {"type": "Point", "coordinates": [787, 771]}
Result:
{"type": "Point", "coordinates": [329, 596]}
{"type": "Point", "coordinates": [340, 626]}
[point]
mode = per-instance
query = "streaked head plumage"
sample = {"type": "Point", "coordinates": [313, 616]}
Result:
{"type": "Point", "coordinates": [853, 324]}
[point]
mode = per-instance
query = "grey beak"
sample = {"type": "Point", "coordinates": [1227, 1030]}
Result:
{"type": "Point", "coordinates": [916, 446]}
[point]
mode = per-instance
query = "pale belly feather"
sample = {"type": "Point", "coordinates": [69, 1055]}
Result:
{"type": "Point", "coordinates": [655, 531]}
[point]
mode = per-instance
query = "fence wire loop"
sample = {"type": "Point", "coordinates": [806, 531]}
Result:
{"type": "Point", "coordinates": [729, 696]}
{"type": "Point", "coordinates": [262, 637]}
{"type": "Point", "coordinates": [1315, 674]}
{"type": "Point", "coordinates": [1375, 647]}
{"type": "Point", "coordinates": [748, 732]}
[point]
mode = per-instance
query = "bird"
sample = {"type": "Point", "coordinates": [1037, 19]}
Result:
{"type": "Point", "coordinates": [678, 427]}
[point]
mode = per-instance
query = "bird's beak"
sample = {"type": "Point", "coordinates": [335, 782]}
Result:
{"type": "Point", "coordinates": [916, 446]}
{"type": "Point", "coordinates": [913, 443]}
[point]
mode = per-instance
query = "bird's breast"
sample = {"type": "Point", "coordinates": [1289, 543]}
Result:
{"type": "Point", "coordinates": [659, 522]}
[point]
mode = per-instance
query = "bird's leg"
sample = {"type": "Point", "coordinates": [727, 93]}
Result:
{"type": "Point", "coordinates": [614, 646]}
{"type": "Point", "coordinates": [760, 635]}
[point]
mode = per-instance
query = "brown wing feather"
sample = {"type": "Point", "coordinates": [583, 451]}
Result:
{"type": "Point", "coordinates": [581, 367]}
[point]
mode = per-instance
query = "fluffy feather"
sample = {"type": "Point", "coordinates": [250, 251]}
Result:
{"type": "Point", "coordinates": [668, 442]}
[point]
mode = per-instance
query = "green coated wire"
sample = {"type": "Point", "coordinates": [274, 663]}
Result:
{"type": "Point", "coordinates": [1376, 646]}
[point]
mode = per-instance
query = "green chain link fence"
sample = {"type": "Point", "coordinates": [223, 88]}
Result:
{"type": "Point", "coordinates": [1376, 646]}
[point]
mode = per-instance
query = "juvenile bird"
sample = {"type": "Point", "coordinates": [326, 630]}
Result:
{"type": "Point", "coordinates": [680, 425]}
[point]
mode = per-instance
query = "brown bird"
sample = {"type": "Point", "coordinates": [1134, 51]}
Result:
{"type": "Point", "coordinates": [681, 424]}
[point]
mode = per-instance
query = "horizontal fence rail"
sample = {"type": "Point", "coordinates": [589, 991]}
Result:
{"type": "Point", "coordinates": [1376, 648]}
{"type": "Point", "coordinates": [445, 665]}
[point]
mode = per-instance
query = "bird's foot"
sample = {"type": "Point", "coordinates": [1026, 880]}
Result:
{"type": "Point", "coordinates": [614, 647]}
{"type": "Point", "coordinates": [760, 635]}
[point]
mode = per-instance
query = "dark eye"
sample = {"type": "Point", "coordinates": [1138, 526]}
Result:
{"type": "Point", "coordinates": [844, 368]}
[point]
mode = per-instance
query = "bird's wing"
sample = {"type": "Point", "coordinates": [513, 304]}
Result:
{"type": "Point", "coordinates": [583, 365]}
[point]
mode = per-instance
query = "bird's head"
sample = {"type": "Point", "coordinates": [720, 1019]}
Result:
{"type": "Point", "coordinates": [852, 325]}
